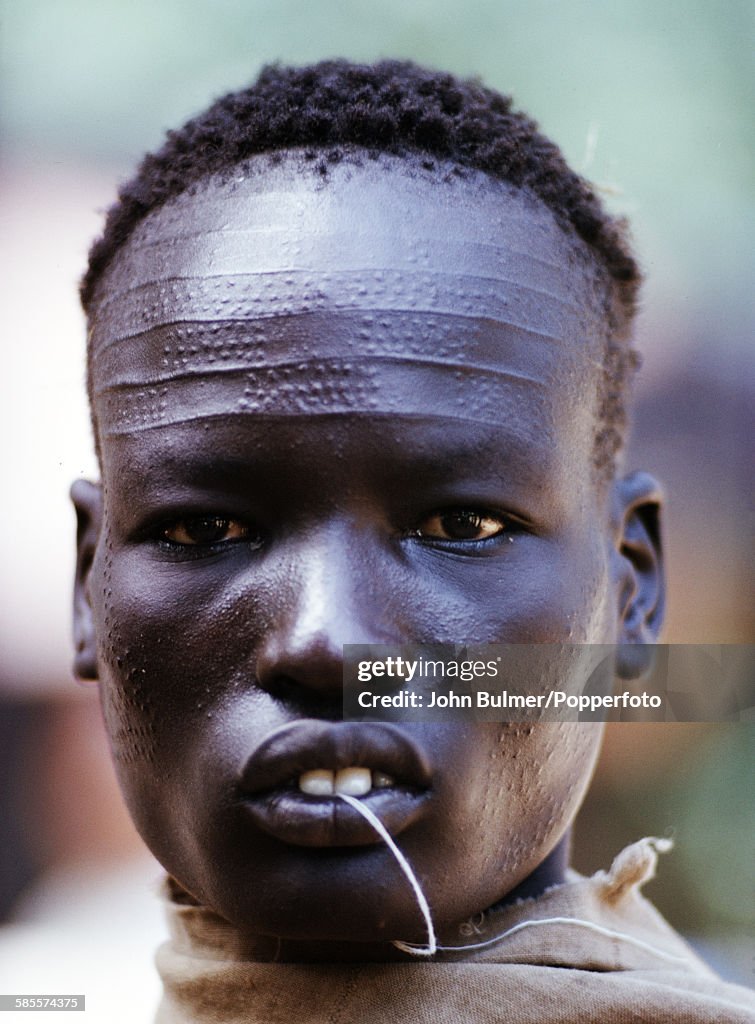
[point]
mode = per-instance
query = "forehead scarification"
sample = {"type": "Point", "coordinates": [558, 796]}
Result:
{"type": "Point", "coordinates": [316, 387]}
{"type": "Point", "coordinates": [266, 293]}
{"type": "Point", "coordinates": [288, 298]}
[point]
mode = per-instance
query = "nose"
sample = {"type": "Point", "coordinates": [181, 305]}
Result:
{"type": "Point", "coordinates": [324, 601]}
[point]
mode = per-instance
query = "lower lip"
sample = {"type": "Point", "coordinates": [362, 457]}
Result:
{"type": "Point", "coordinates": [302, 820]}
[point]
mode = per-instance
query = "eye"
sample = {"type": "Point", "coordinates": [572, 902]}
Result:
{"type": "Point", "coordinates": [462, 524]}
{"type": "Point", "coordinates": [204, 531]}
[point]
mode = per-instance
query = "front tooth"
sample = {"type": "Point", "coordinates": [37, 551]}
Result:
{"type": "Point", "coordinates": [353, 781]}
{"type": "Point", "coordinates": [317, 782]}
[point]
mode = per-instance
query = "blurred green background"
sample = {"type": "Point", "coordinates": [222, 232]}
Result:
{"type": "Point", "coordinates": [652, 101]}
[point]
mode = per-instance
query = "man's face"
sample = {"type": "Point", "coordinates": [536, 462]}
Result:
{"type": "Point", "coordinates": [354, 412]}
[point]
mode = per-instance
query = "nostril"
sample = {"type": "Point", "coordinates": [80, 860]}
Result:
{"type": "Point", "coordinates": [305, 701]}
{"type": "Point", "coordinates": [303, 670]}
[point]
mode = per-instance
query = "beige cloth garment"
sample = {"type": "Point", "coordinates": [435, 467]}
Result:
{"type": "Point", "coordinates": [592, 951]}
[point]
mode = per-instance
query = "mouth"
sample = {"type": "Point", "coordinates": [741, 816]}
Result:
{"type": "Point", "coordinates": [291, 785]}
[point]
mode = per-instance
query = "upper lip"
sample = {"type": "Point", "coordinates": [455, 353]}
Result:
{"type": "Point", "coordinates": [284, 754]}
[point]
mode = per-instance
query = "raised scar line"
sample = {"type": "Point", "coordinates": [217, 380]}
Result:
{"type": "Point", "coordinates": [117, 294]}
{"type": "Point", "coordinates": [218, 369]}
{"type": "Point", "coordinates": [545, 335]}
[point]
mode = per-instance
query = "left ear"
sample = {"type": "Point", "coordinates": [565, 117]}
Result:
{"type": "Point", "coordinates": [87, 500]}
{"type": "Point", "coordinates": [637, 503]}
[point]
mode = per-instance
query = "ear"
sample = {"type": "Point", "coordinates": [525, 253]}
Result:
{"type": "Point", "coordinates": [637, 504]}
{"type": "Point", "coordinates": [87, 500]}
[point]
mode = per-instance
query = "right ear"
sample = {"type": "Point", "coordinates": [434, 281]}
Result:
{"type": "Point", "coordinates": [87, 500]}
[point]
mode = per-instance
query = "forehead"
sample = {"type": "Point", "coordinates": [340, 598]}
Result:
{"type": "Point", "coordinates": [383, 289]}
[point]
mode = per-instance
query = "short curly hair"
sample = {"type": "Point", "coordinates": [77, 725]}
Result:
{"type": "Point", "coordinates": [400, 108]}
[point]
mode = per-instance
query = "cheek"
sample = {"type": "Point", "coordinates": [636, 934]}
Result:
{"type": "Point", "coordinates": [548, 770]}
{"type": "Point", "coordinates": [545, 590]}
{"type": "Point", "coordinates": [558, 764]}
{"type": "Point", "coordinates": [171, 630]}
{"type": "Point", "coordinates": [175, 662]}
{"type": "Point", "coordinates": [577, 590]}
{"type": "Point", "coordinates": [509, 795]}
{"type": "Point", "coordinates": [127, 702]}
{"type": "Point", "coordinates": [153, 641]}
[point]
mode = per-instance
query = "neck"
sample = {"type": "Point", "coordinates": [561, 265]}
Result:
{"type": "Point", "coordinates": [552, 871]}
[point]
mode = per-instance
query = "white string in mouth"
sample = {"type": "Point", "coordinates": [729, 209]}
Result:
{"type": "Point", "coordinates": [403, 863]}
